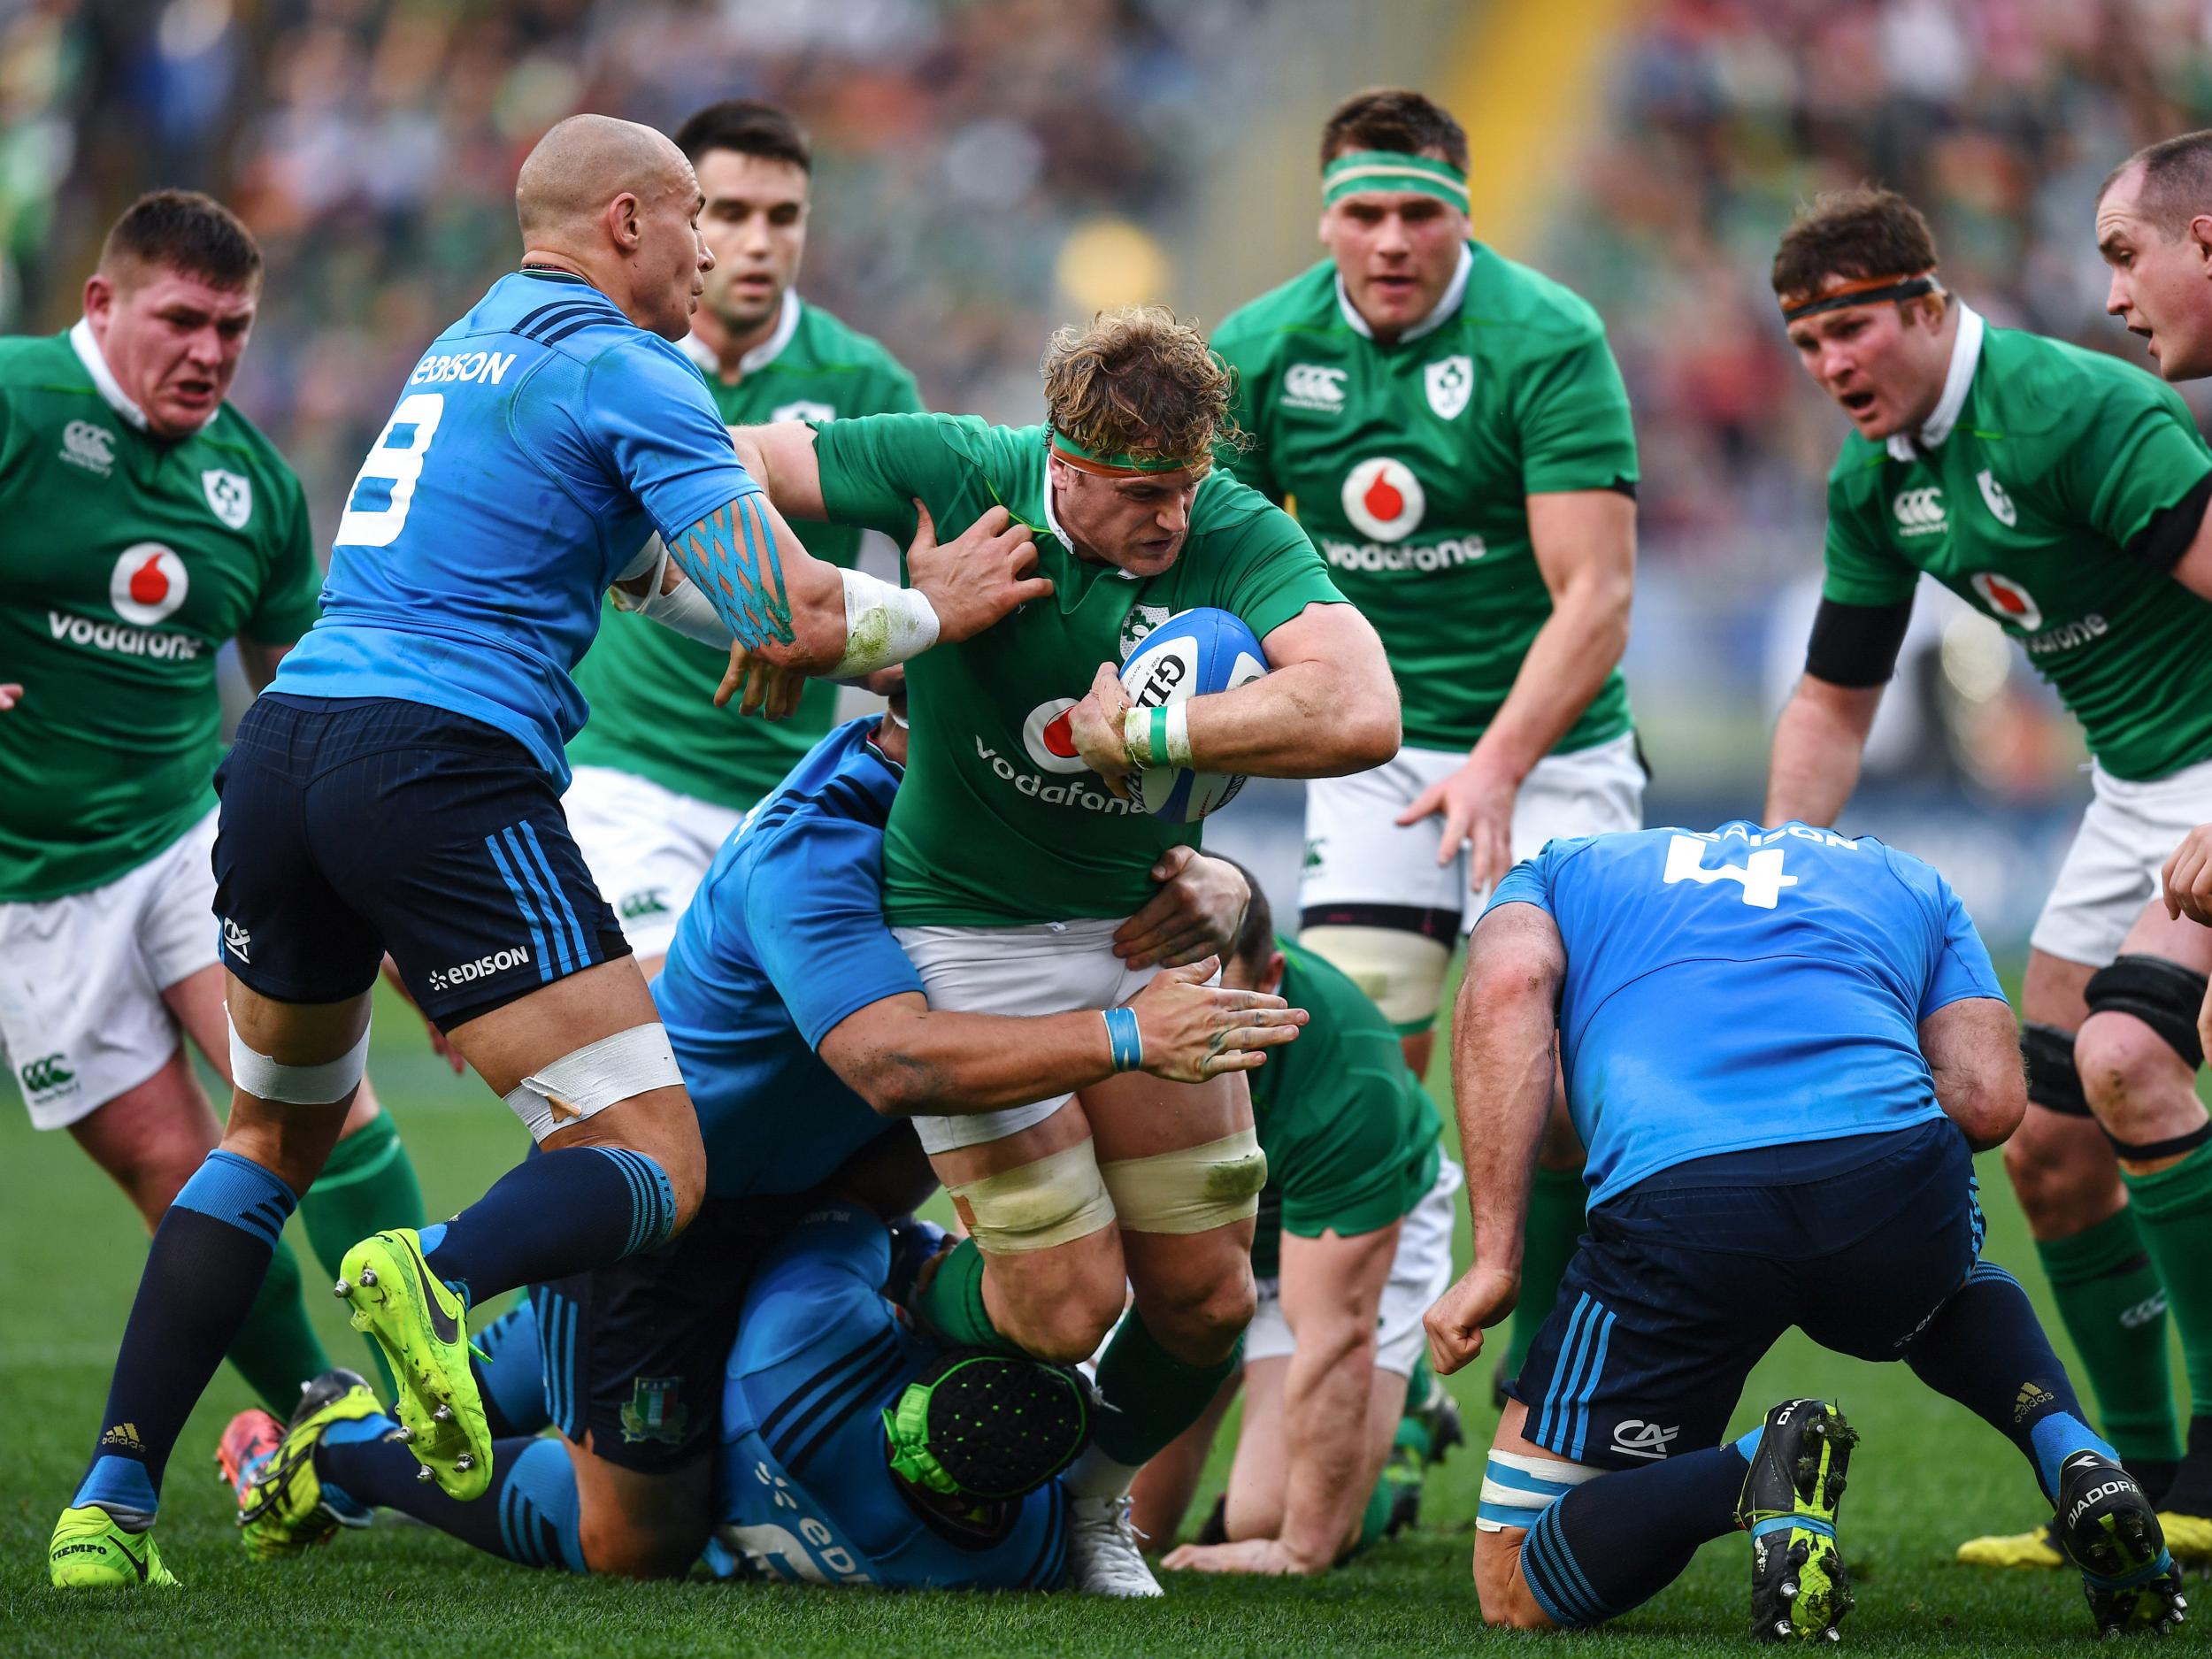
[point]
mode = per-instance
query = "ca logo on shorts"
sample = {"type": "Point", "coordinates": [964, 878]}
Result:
{"type": "Point", "coordinates": [1638, 1438]}
{"type": "Point", "coordinates": [2008, 600]}
{"type": "Point", "coordinates": [148, 584]}
{"type": "Point", "coordinates": [1383, 500]}
{"type": "Point", "coordinates": [1046, 736]}
{"type": "Point", "coordinates": [1920, 511]}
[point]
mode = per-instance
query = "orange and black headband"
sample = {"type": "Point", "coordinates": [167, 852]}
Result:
{"type": "Point", "coordinates": [1863, 291]}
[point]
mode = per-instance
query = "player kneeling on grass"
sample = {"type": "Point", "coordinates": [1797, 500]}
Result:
{"type": "Point", "coordinates": [1782, 1048]}
{"type": "Point", "coordinates": [808, 1043]}
{"type": "Point", "coordinates": [1354, 1241]}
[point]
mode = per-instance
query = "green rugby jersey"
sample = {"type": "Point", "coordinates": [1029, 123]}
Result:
{"type": "Point", "coordinates": [128, 560]}
{"type": "Point", "coordinates": [650, 689]}
{"type": "Point", "coordinates": [1350, 1134]}
{"type": "Point", "coordinates": [2041, 463]}
{"type": "Point", "coordinates": [998, 822]}
{"type": "Point", "coordinates": [1409, 464]}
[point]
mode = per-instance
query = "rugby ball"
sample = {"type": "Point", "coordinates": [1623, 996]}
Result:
{"type": "Point", "coordinates": [1193, 654]}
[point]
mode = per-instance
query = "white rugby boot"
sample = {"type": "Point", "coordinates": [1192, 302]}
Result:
{"type": "Point", "coordinates": [1102, 1554]}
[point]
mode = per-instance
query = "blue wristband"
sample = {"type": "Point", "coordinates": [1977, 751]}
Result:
{"type": "Point", "coordinates": [1123, 1038]}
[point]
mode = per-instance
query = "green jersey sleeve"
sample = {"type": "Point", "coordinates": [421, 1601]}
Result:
{"type": "Point", "coordinates": [874, 468]}
{"type": "Point", "coordinates": [292, 597]}
{"type": "Point", "coordinates": [2138, 456]}
{"type": "Point", "coordinates": [1576, 429]}
{"type": "Point", "coordinates": [1863, 569]}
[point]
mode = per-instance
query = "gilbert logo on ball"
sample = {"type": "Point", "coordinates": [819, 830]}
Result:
{"type": "Point", "coordinates": [1193, 654]}
{"type": "Point", "coordinates": [2008, 600]}
{"type": "Point", "coordinates": [148, 584]}
{"type": "Point", "coordinates": [1383, 500]}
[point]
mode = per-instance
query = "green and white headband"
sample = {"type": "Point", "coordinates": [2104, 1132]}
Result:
{"type": "Point", "coordinates": [1359, 170]}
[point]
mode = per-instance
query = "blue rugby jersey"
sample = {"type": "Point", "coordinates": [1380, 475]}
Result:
{"type": "Point", "coordinates": [785, 938]}
{"type": "Point", "coordinates": [804, 1488]}
{"type": "Point", "coordinates": [1744, 987]}
{"type": "Point", "coordinates": [538, 443]}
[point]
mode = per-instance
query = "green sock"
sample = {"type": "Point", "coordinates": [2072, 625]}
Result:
{"type": "Point", "coordinates": [276, 1349]}
{"type": "Point", "coordinates": [1554, 1222]}
{"type": "Point", "coordinates": [1150, 1397]}
{"type": "Point", "coordinates": [2109, 1301]}
{"type": "Point", "coordinates": [368, 1184]}
{"type": "Point", "coordinates": [953, 1304]}
{"type": "Point", "coordinates": [2173, 1208]}
{"type": "Point", "coordinates": [1374, 1521]}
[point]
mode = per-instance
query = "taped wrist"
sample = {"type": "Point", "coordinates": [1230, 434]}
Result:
{"type": "Point", "coordinates": [588, 1081]}
{"type": "Point", "coordinates": [683, 608]}
{"type": "Point", "coordinates": [884, 624]}
{"type": "Point", "coordinates": [324, 1084]}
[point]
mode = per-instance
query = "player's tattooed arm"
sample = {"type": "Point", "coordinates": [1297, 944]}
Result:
{"type": "Point", "coordinates": [1502, 1066]}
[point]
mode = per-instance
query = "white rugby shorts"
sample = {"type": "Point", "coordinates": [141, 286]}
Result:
{"type": "Point", "coordinates": [1050, 968]}
{"type": "Point", "coordinates": [1356, 853]}
{"type": "Point", "coordinates": [2111, 870]}
{"type": "Point", "coordinates": [1420, 1273]}
{"type": "Point", "coordinates": [647, 847]}
{"type": "Point", "coordinates": [81, 978]}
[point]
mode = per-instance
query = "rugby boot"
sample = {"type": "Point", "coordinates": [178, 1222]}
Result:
{"type": "Point", "coordinates": [92, 1550]}
{"type": "Point", "coordinates": [2111, 1532]}
{"type": "Point", "coordinates": [2188, 1536]}
{"type": "Point", "coordinates": [1438, 1413]}
{"type": "Point", "coordinates": [248, 1439]}
{"type": "Point", "coordinates": [283, 1506]}
{"type": "Point", "coordinates": [2039, 1549]}
{"type": "Point", "coordinates": [1800, 1590]}
{"type": "Point", "coordinates": [1102, 1554]}
{"type": "Point", "coordinates": [422, 1325]}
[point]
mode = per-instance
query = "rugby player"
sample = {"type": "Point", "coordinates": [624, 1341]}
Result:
{"type": "Point", "coordinates": [661, 776]}
{"type": "Point", "coordinates": [151, 523]}
{"type": "Point", "coordinates": [808, 1044]}
{"type": "Point", "coordinates": [399, 786]}
{"type": "Point", "coordinates": [1454, 434]}
{"type": "Point", "coordinates": [2061, 492]}
{"type": "Point", "coordinates": [1012, 857]}
{"type": "Point", "coordinates": [1353, 1242]}
{"type": "Point", "coordinates": [1782, 1048]}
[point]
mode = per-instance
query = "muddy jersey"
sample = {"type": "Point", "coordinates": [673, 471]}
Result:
{"type": "Point", "coordinates": [999, 822]}
{"type": "Point", "coordinates": [128, 561]}
{"type": "Point", "coordinates": [1409, 465]}
{"type": "Point", "coordinates": [2054, 460]}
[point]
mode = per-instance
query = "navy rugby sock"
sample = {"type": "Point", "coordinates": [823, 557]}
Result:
{"type": "Point", "coordinates": [1986, 1350]}
{"type": "Point", "coordinates": [1613, 1543]}
{"type": "Point", "coordinates": [531, 1514]}
{"type": "Point", "coordinates": [510, 1373]}
{"type": "Point", "coordinates": [554, 1215]}
{"type": "Point", "coordinates": [209, 1256]}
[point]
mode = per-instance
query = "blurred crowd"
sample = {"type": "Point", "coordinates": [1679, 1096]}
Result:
{"type": "Point", "coordinates": [1999, 117]}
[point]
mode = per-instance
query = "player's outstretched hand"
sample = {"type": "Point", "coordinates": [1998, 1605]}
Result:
{"type": "Point", "coordinates": [1265, 1555]}
{"type": "Point", "coordinates": [1475, 802]}
{"type": "Point", "coordinates": [1479, 1298]}
{"type": "Point", "coordinates": [2187, 878]}
{"type": "Point", "coordinates": [1192, 1031]}
{"type": "Point", "coordinates": [1197, 912]}
{"type": "Point", "coordinates": [1097, 728]}
{"type": "Point", "coordinates": [10, 695]}
{"type": "Point", "coordinates": [973, 581]}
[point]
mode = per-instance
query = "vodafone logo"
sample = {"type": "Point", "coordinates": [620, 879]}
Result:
{"type": "Point", "coordinates": [1045, 735]}
{"type": "Point", "coordinates": [148, 584]}
{"type": "Point", "coordinates": [1383, 500]}
{"type": "Point", "coordinates": [2008, 600]}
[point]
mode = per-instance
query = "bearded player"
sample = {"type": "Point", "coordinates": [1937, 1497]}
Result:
{"type": "Point", "coordinates": [1010, 858]}
{"type": "Point", "coordinates": [2063, 493]}
{"type": "Point", "coordinates": [661, 776]}
{"type": "Point", "coordinates": [151, 523]}
{"type": "Point", "coordinates": [399, 784]}
{"type": "Point", "coordinates": [1455, 437]}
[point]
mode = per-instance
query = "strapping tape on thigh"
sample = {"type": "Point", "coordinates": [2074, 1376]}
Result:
{"type": "Point", "coordinates": [1517, 1488]}
{"type": "Point", "coordinates": [586, 1082]}
{"type": "Point", "coordinates": [1193, 1189]}
{"type": "Point", "coordinates": [1056, 1200]}
{"type": "Point", "coordinates": [324, 1084]}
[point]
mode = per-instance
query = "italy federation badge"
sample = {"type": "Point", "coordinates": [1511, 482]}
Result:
{"type": "Point", "coordinates": [654, 1412]}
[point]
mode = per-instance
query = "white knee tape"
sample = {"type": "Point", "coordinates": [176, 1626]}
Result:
{"type": "Point", "coordinates": [1403, 972]}
{"type": "Point", "coordinates": [323, 1085]}
{"type": "Point", "coordinates": [1517, 1488]}
{"type": "Point", "coordinates": [582, 1084]}
{"type": "Point", "coordinates": [1056, 1199]}
{"type": "Point", "coordinates": [1193, 1189]}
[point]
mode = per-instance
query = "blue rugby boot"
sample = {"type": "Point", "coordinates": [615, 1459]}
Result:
{"type": "Point", "coordinates": [1800, 1590]}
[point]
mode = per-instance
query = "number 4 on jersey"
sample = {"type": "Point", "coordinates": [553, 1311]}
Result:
{"type": "Point", "coordinates": [1760, 875]}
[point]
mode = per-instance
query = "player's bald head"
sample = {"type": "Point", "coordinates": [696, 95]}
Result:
{"type": "Point", "coordinates": [583, 164]}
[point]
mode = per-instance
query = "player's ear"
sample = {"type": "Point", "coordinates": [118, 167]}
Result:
{"type": "Point", "coordinates": [626, 221]}
{"type": "Point", "coordinates": [2200, 233]}
{"type": "Point", "coordinates": [99, 297]}
{"type": "Point", "coordinates": [1271, 979]}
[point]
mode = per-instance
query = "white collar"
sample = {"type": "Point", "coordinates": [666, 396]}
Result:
{"type": "Point", "coordinates": [1966, 352]}
{"type": "Point", "coordinates": [95, 365]}
{"type": "Point", "coordinates": [762, 355]}
{"type": "Point", "coordinates": [1454, 292]}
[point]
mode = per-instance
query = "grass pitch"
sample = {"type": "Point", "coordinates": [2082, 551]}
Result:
{"type": "Point", "coordinates": [70, 1251]}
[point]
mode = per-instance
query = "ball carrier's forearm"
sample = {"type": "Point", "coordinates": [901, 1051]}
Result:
{"type": "Point", "coordinates": [1818, 743]}
{"type": "Point", "coordinates": [1327, 707]}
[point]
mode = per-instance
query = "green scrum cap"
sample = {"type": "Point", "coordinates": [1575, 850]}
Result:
{"type": "Point", "coordinates": [987, 1426]}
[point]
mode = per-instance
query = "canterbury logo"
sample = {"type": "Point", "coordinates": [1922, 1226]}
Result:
{"type": "Point", "coordinates": [2151, 1307]}
{"type": "Point", "coordinates": [443, 1325]}
{"type": "Point", "coordinates": [1920, 511]}
{"type": "Point", "coordinates": [43, 1076]}
{"type": "Point", "coordinates": [1312, 386]}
